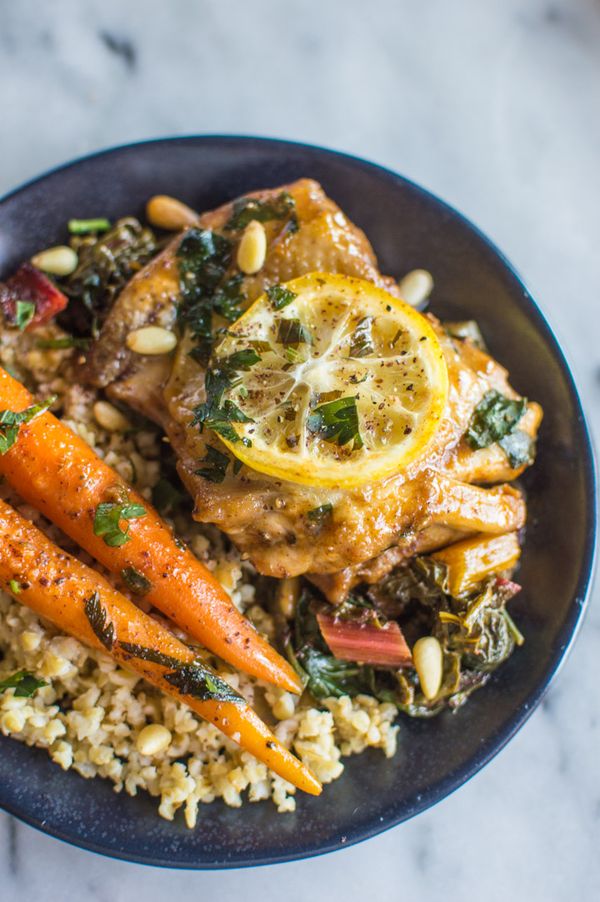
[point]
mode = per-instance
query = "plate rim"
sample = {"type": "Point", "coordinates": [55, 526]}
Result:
{"type": "Point", "coordinates": [580, 600]}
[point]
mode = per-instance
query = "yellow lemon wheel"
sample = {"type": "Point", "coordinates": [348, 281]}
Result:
{"type": "Point", "coordinates": [328, 381]}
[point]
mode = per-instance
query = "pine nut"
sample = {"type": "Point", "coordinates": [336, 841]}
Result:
{"type": "Point", "coordinates": [166, 212]}
{"type": "Point", "coordinates": [428, 659]}
{"type": "Point", "coordinates": [153, 739]}
{"type": "Point", "coordinates": [416, 286]}
{"type": "Point", "coordinates": [110, 418]}
{"type": "Point", "coordinates": [58, 261]}
{"type": "Point", "coordinates": [151, 340]}
{"type": "Point", "coordinates": [252, 248]}
{"type": "Point", "coordinates": [284, 707]}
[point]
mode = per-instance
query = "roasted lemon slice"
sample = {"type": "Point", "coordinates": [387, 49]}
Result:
{"type": "Point", "coordinates": [327, 381]}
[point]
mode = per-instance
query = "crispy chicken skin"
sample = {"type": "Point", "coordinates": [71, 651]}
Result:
{"type": "Point", "coordinates": [373, 527]}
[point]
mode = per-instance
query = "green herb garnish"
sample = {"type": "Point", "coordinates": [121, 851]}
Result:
{"type": "Point", "coordinates": [11, 422]}
{"type": "Point", "coordinates": [14, 586]}
{"type": "Point", "coordinates": [494, 418]}
{"type": "Point", "coordinates": [362, 338]}
{"type": "Point", "coordinates": [215, 413]}
{"type": "Point", "coordinates": [85, 226]}
{"type": "Point", "coordinates": [293, 332]}
{"type": "Point", "coordinates": [107, 521]}
{"type": "Point", "coordinates": [519, 447]}
{"type": "Point", "coordinates": [192, 678]}
{"type": "Point", "coordinates": [215, 465]}
{"type": "Point", "coordinates": [337, 422]}
{"type": "Point", "coordinates": [204, 258]}
{"type": "Point", "coordinates": [318, 515]}
{"type": "Point", "coordinates": [296, 355]}
{"type": "Point", "coordinates": [198, 681]}
{"type": "Point", "coordinates": [106, 263]}
{"type": "Point", "coordinates": [149, 654]}
{"type": "Point", "coordinates": [245, 209]}
{"type": "Point", "coordinates": [24, 313]}
{"type": "Point", "coordinates": [62, 344]}
{"type": "Point", "coordinates": [24, 684]}
{"type": "Point", "coordinates": [280, 296]}
{"type": "Point", "coordinates": [136, 581]}
{"type": "Point", "coordinates": [220, 420]}
{"type": "Point", "coordinates": [241, 360]}
{"type": "Point", "coordinates": [97, 616]}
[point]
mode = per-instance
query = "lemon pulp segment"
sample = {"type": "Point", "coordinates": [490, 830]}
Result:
{"type": "Point", "coordinates": [347, 385]}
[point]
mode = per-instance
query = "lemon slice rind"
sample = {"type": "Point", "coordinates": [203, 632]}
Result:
{"type": "Point", "coordinates": [350, 386]}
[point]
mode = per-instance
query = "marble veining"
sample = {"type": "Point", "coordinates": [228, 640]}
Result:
{"type": "Point", "coordinates": [494, 106]}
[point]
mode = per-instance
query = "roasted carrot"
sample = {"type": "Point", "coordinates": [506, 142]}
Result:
{"type": "Point", "coordinates": [81, 602]}
{"type": "Point", "coordinates": [58, 473]}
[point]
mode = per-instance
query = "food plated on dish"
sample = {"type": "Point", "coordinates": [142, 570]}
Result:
{"type": "Point", "coordinates": [256, 509]}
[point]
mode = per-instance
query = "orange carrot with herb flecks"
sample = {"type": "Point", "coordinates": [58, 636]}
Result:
{"type": "Point", "coordinates": [58, 473]}
{"type": "Point", "coordinates": [79, 601]}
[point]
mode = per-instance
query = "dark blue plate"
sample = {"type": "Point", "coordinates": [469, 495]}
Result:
{"type": "Point", "coordinates": [409, 228]}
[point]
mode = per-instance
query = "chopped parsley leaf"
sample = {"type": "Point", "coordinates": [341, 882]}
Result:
{"type": "Point", "coordinates": [216, 414]}
{"type": "Point", "coordinates": [494, 418]}
{"type": "Point", "coordinates": [136, 581]}
{"type": "Point", "coordinates": [337, 422]}
{"type": "Point", "coordinates": [24, 684]}
{"type": "Point", "coordinates": [245, 209]}
{"type": "Point", "coordinates": [280, 296]}
{"type": "Point", "coordinates": [220, 419]}
{"type": "Point", "coordinates": [318, 515]}
{"type": "Point", "coordinates": [518, 447]}
{"type": "Point", "coordinates": [216, 464]}
{"type": "Point", "coordinates": [11, 422]}
{"type": "Point", "coordinates": [107, 521]}
{"type": "Point", "coordinates": [204, 258]}
{"type": "Point", "coordinates": [24, 313]}
{"type": "Point", "coordinates": [293, 332]}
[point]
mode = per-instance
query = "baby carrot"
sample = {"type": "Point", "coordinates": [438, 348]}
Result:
{"type": "Point", "coordinates": [81, 602]}
{"type": "Point", "coordinates": [58, 473]}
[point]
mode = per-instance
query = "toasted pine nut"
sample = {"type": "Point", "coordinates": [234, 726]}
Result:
{"type": "Point", "coordinates": [416, 286]}
{"type": "Point", "coordinates": [151, 340]}
{"type": "Point", "coordinates": [428, 659]}
{"type": "Point", "coordinates": [58, 261]}
{"type": "Point", "coordinates": [153, 739]}
{"type": "Point", "coordinates": [252, 248]}
{"type": "Point", "coordinates": [109, 417]}
{"type": "Point", "coordinates": [166, 212]}
{"type": "Point", "coordinates": [285, 706]}
{"type": "Point", "coordinates": [288, 591]}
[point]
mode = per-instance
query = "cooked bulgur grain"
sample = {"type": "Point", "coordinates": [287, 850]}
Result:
{"type": "Point", "coordinates": [92, 712]}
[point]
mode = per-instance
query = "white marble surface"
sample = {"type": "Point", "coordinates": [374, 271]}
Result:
{"type": "Point", "coordinates": [494, 105]}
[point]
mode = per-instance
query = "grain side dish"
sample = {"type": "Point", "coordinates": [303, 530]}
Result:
{"type": "Point", "coordinates": [256, 506]}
